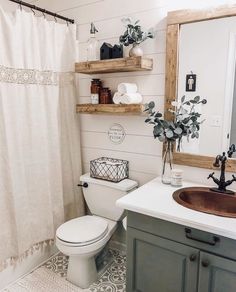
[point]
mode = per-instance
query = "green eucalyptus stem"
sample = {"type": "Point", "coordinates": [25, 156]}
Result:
{"type": "Point", "coordinates": [186, 122]}
{"type": "Point", "coordinates": [179, 144]}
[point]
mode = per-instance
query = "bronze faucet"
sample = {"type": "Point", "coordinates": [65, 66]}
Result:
{"type": "Point", "coordinates": [222, 183]}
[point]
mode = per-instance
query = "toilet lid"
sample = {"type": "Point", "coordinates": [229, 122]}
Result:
{"type": "Point", "coordinates": [83, 230]}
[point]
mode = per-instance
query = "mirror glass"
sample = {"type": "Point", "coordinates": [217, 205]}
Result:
{"type": "Point", "coordinates": [207, 68]}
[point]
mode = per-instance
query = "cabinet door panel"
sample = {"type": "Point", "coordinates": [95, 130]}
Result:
{"type": "Point", "coordinates": [159, 265]}
{"type": "Point", "coordinates": [216, 274]}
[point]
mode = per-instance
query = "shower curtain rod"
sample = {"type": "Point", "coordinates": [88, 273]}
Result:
{"type": "Point", "coordinates": [44, 11]}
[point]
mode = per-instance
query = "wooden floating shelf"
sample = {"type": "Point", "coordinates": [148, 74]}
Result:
{"type": "Point", "coordinates": [130, 64]}
{"type": "Point", "coordinates": [127, 109]}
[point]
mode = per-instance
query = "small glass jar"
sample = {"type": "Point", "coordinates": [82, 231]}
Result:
{"type": "Point", "coordinates": [105, 96]}
{"type": "Point", "coordinates": [177, 177]}
{"type": "Point", "coordinates": [96, 86]}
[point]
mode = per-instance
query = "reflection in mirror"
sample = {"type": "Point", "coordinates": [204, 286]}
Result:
{"type": "Point", "coordinates": [207, 58]}
{"type": "Point", "coordinates": [233, 121]}
{"type": "Point", "coordinates": [232, 150]}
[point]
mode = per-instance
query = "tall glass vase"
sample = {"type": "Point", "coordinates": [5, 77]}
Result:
{"type": "Point", "coordinates": [167, 162]}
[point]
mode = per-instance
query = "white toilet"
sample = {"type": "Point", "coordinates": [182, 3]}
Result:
{"type": "Point", "coordinates": [84, 237]}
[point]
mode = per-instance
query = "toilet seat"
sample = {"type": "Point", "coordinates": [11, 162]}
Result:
{"type": "Point", "coordinates": [82, 231]}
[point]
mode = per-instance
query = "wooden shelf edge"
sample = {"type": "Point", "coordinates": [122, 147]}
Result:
{"type": "Point", "coordinates": [122, 109]}
{"type": "Point", "coordinates": [129, 64]}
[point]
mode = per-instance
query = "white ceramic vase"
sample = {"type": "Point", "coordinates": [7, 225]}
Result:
{"type": "Point", "coordinates": [136, 51]}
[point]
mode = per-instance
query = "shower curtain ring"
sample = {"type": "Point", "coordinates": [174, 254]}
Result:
{"type": "Point", "coordinates": [20, 4]}
{"type": "Point", "coordinates": [32, 9]}
{"type": "Point", "coordinates": [43, 12]}
{"type": "Point", "coordinates": [55, 17]}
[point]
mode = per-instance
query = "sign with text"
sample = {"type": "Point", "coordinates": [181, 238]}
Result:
{"type": "Point", "coordinates": [116, 134]}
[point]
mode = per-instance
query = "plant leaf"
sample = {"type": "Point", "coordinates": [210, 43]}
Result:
{"type": "Point", "coordinates": [158, 115]}
{"type": "Point", "coordinates": [178, 131]}
{"type": "Point", "coordinates": [161, 138]}
{"type": "Point", "coordinates": [169, 134]}
{"type": "Point", "coordinates": [151, 105]}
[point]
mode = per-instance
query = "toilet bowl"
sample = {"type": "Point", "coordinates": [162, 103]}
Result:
{"type": "Point", "coordinates": [83, 238]}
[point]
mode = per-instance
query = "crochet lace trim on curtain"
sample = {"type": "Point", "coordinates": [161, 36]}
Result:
{"type": "Point", "coordinates": [32, 76]}
{"type": "Point", "coordinates": [12, 261]}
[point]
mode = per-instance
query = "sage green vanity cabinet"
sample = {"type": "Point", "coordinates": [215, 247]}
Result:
{"type": "Point", "coordinates": [217, 275]}
{"type": "Point", "coordinates": [163, 257]}
{"type": "Point", "coordinates": [157, 264]}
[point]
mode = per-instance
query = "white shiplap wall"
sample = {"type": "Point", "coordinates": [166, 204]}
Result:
{"type": "Point", "coordinates": [139, 146]}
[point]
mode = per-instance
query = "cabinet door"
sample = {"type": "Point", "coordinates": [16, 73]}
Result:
{"type": "Point", "coordinates": [160, 265]}
{"type": "Point", "coordinates": [216, 274]}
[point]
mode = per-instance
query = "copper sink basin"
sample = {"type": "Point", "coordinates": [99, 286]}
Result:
{"type": "Point", "coordinates": [207, 201]}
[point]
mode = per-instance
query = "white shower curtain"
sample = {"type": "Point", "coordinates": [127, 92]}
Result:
{"type": "Point", "coordinates": [39, 135]}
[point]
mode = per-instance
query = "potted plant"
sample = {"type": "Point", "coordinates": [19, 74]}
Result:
{"type": "Point", "coordinates": [186, 122]}
{"type": "Point", "coordinates": [134, 35]}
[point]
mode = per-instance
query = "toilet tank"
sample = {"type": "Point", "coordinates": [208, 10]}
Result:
{"type": "Point", "coordinates": [101, 196]}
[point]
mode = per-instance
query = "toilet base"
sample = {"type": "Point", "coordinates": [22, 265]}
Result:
{"type": "Point", "coordinates": [82, 271]}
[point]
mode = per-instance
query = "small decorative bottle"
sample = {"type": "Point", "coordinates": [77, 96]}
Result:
{"type": "Point", "coordinates": [92, 47]}
{"type": "Point", "coordinates": [105, 96]}
{"type": "Point", "coordinates": [96, 86]}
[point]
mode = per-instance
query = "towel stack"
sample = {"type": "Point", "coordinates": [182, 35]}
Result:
{"type": "Point", "coordinates": [127, 94]}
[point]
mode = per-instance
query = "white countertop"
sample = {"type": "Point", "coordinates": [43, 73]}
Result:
{"type": "Point", "coordinates": [155, 199]}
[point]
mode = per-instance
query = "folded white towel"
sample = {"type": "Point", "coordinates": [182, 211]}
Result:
{"type": "Point", "coordinates": [127, 88]}
{"type": "Point", "coordinates": [117, 98]}
{"type": "Point", "coordinates": [129, 98]}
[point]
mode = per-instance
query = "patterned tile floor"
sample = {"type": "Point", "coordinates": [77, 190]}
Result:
{"type": "Point", "coordinates": [112, 271]}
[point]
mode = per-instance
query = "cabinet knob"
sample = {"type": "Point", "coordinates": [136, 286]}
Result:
{"type": "Point", "coordinates": [205, 263]}
{"type": "Point", "coordinates": [193, 257]}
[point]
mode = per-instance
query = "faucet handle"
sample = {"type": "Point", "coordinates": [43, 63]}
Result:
{"type": "Point", "coordinates": [217, 161]}
{"type": "Point", "coordinates": [211, 175]}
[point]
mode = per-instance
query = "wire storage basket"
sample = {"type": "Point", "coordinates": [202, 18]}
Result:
{"type": "Point", "coordinates": [109, 169]}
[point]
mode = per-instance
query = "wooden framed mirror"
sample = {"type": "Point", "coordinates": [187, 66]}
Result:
{"type": "Point", "coordinates": [187, 36]}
